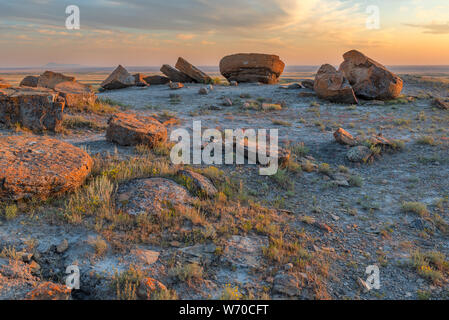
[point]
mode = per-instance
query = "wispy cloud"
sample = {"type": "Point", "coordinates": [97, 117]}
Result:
{"type": "Point", "coordinates": [432, 28]}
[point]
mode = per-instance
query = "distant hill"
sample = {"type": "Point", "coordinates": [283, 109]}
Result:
{"type": "Point", "coordinates": [53, 65]}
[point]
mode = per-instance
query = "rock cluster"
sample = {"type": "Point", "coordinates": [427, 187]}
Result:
{"type": "Point", "coordinates": [73, 92]}
{"type": "Point", "coordinates": [39, 167]}
{"type": "Point", "coordinates": [252, 67]}
{"type": "Point", "coordinates": [358, 76]}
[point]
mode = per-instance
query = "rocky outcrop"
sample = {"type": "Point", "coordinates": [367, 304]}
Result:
{"type": "Point", "coordinates": [151, 196]}
{"type": "Point", "coordinates": [29, 81]}
{"type": "Point", "coordinates": [4, 84]}
{"type": "Point", "coordinates": [369, 79]}
{"type": "Point", "coordinates": [50, 79]}
{"type": "Point", "coordinates": [331, 85]}
{"type": "Point", "coordinates": [193, 72]}
{"type": "Point", "coordinates": [34, 108]}
{"type": "Point", "coordinates": [120, 78]}
{"type": "Point", "coordinates": [156, 79]}
{"type": "Point", "coordinates": [252, 67]}
{"type": "Point", "coordinates": [75, 93]}
{"type": "Point", "coordinates": [139, 80]}
{"type": "Point", "coordinates": [40, 167]}
{"type": "Point", "coordinates": [199, 183]}
{"type": "Point", "coordinates": [175, 75]}
{"type": "Point", "coordinates": [128, 130]}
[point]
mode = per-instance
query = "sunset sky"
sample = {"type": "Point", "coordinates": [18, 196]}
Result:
{"type": "Point", "coordinates": [152, 32]}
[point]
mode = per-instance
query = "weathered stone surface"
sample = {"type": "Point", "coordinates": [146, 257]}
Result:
{"type": "Point", "coordinates": [244, 252]}
{"type": "Point", "coordinates": [193, 72]}
{"type": "Point", "coordinates": [202, 254]}
{"type": "Point", "coordinates": [156, 79]}
{"type": "Point", "coordinates": [344, 137]}
{"type": "Point", "coordinates": [4, 84]}
{"type": "Point", "coordinates": [369, 79]}
{"type": "Point", "coordinates": [49, 291]}
{"type": "Point", "coordinates": [29, 81]}
{"type": "Point", "coordinates": [50, 79]}
{"type": "Point", "coordinates": [252, 67]}
{"type": "Point", "coordinates": [128, 130]}
{"type": "Point", "coordinates": [288, 284]}
{"type": "Point", "coordinates": [151, 196]}
{"type": "Point", "coordinates": [120, 78]}
{"type": "Point", "coordinates": [40, 167]}
{"type": "Point", "coordinates": [333, 86]}
{"type": "Point", "coordinates": [359, 154]}
{"type": "Point", "coordinates": [34, 108]}
{"type": "Point", "coordinates": [441, 104]}
{"type": "Point", "coordinates": [148, 257]}
{"type": "Point", "coordinates": [139, 80]}
{"type": "Point", "coordinates": [75, 93]}
{"type": "Point", "coordinates": [202, 185]}
{"type": "Point", "coordinates": [175, 75]}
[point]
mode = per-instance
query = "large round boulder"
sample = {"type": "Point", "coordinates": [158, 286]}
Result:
{"type": "Point", "coordinates": [39, 167]}
{"type": "Point", "coordinates": [128, 130]}
{"type": "Point", "coordinates": [331, 85]}
{"type": "Point", "coordinates": [151, 196]}
{"type": "Point", "coordinates": [252, 67]}
{"type": "Point", "coordinates": [369, 79]}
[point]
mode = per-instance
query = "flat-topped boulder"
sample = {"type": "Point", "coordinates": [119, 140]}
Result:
{"type": "Point", "coordinates": [75, 93]}
{"type": "Point", "coordinates": [29, 81]}
{"type": "Point", "coordinates": [50, 79]}
{"type": "Point", "coordinates": [175, 75]}
{"type": "Point", "coordinates": [252, 67]}
{"type": "Point", "coordinates": [156, 79]}
{"type": "Point", "coordinates": [40, 167]}
{"type": "Point", "coordinates": [331, 85]}
{"type": "Point", "coordinates": [369, 79]}
{"type": "Point", "coordinates": [128, 130]}
{"type": "Point", "coordinates": [34, 108]}
{"type": "Point", "coordinates": [120, 78]}
{"type": "Point", "coordinates": [4, 84]}
{"type": "Point", "coordinates": [193, 72]}
{"type": "Point", "coordinates": [151, 196]}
